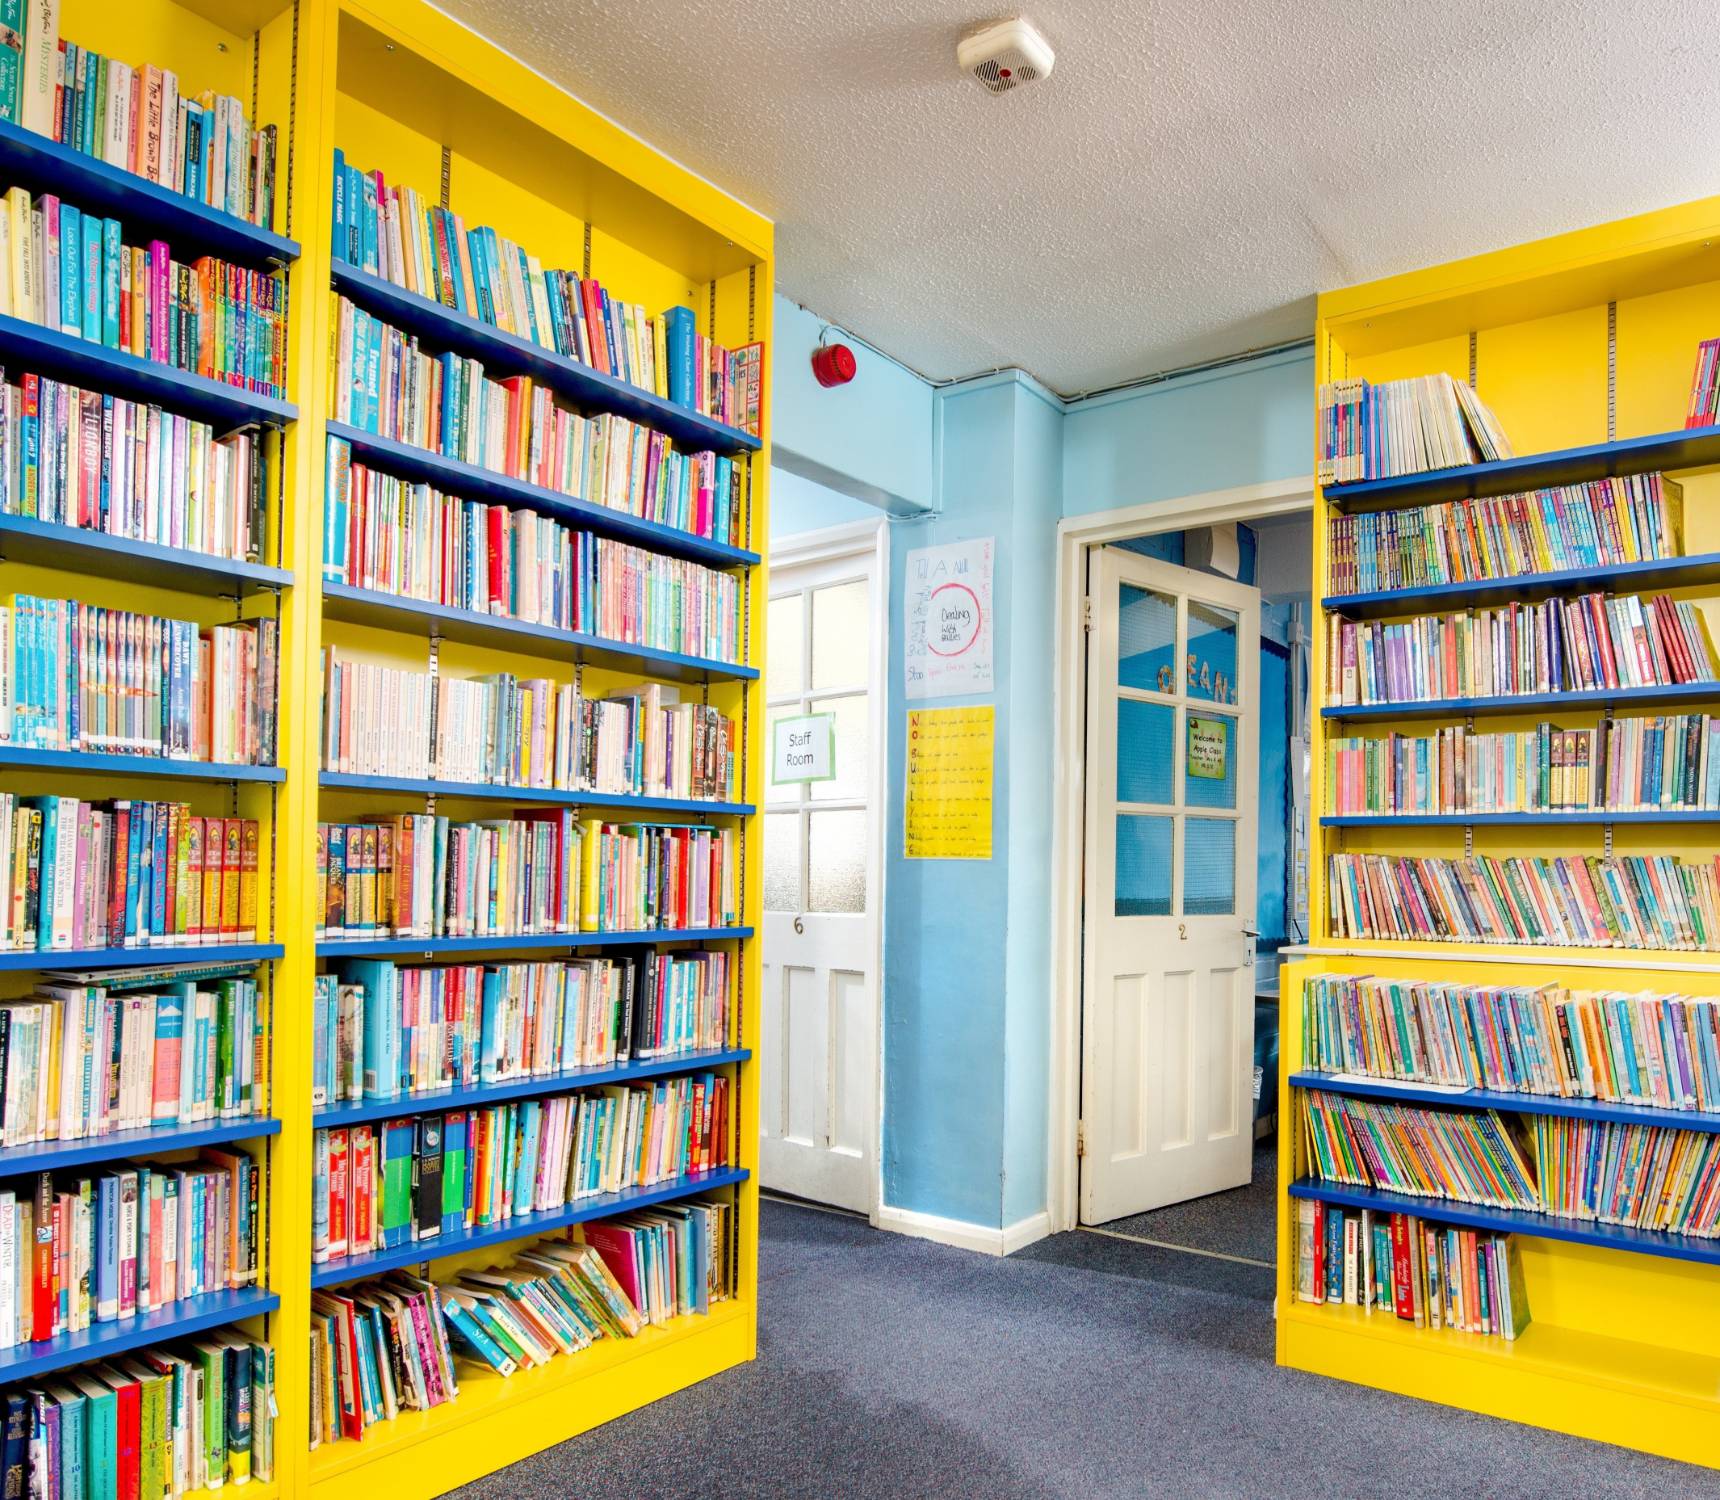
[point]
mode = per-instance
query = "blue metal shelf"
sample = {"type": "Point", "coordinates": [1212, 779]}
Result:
{"type": "Point", "coordinates": [1527, 703]}
{"type": "Point", "coordinates": [1519, 819]}
{"type": "Point", "coordinates": [434, 947]}
{"type": "Point", "coordinates": [358, 606]}
{"type": "Point", "coordinates": [1688, 449]}
{"type": "Point", "coordinates": [73, 549]}
{"type": "Point", "coordinates": [480, 1095]}
{"type": "Point", "coordinates": [106, 1340]}
{"type": "Point", "coordinates": [139, 958]}
{"type": "Point", "coordinates": [145, 209]}
{"type": "Point", "coordinates": [505, 354]}
{"type": "Point", "coordinates": [1517, 1221]}
{"type": "Point", "coordinates": [21, 758]}
{"type": "Point", "coordinates": [408, 461]}
{"type": "Point", "coordinates": [50, 1156]}
{"type": "Point", "coordinates": [339, 781]}
{"type": "Point", "coordinates": [522, 1226]}
{"type": "Point", "coordinates": [47, 351]}
{"type": "Point", "coordinates": [1525, 1104]}
{"type": "Point", "coordinates": [1617, 578]}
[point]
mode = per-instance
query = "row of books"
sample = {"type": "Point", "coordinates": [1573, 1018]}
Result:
{"type": "Point", "coordinates": [1622, 901]}
{"type": "Point", "coordinates": [1400, 1265]}
{"type": "Point", "coordinates": [1378, 429]}
{"type": "Point", "coordinates": [1662, 763]}
{"type": "Point", "coordinates": [540, 871]}
{"type": "Point", "coordinates": [75, 676]}
{"type": "Point", "coordinates": [1465, 1156]}
{"type": "Point", "coordinates": [391, 232]}
{"type": "Point", "coordinates": [169, 1421]}
{"type": "Point", "coordinates": [420, 1179]}
{"type": "Point", "coordinates": [79, 1251]}
{"type": "Point", "coordinates": [136, 118]}
{"type": "Point", "coordinates": [386, 383]}
{"type": "Point", "coordinates": [124, 874]}
{"type": "Point", "coordinates": [1646, 1048]}
{"type": "Point", "coordinates": [382, 1347]}
{"type": "Point", "coordinates": [1588, 642]}
{"type": "Point", "coordinates": [1640, 1176]}
{"type": "Point", "coordinates": [68, 269]}
{"type": "Point", "coordinates": [384, 1031]}
{"type": "Point", "coordinates": [1704, 408]}
{"type": "Point", "coordinates": [82, 1060]}
{"type": "Point", "coordinates": [1630, 518]}
{"type": "Point", "coordinates": [392, 536]}
{"type": "Point", "coordinates": [502, 731]}
{"type": "Point", "coordinates": [101, 463]}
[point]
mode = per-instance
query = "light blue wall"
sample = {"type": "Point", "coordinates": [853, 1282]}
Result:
{"type": "Point", "coordinates": [1244, 424]}
{"type": "Point", "coordinates": [798, 505]}
{"type": "Point", "coordinates": [966, 1010]}
{"type": "Point", "coordinates": [876, 433]}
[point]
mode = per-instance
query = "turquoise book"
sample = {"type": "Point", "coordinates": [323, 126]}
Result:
{"type": "Point", "coordinates": [11, 58]}
{"type": "Point", "coordinates": [101, 1431]}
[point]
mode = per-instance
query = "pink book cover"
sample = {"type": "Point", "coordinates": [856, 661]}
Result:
{"type": "Point", "coordinates": [616, 1247]}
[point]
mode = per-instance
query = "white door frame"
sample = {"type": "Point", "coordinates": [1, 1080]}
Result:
{"type": "Point", "coordinates": [832, 544]}
{"type": "Point", "coordinates": [1075, 535]}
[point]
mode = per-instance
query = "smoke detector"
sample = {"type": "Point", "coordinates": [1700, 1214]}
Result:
{"type": "Point", "coordinates": [1006, 56]}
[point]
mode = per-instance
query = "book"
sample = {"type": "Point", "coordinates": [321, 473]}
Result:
{"type": "Point", "coordinates": [107, 875]}
{"type": "Point", "coordinates": [385, 1031]}
{"type": "Point", "coordinates": [1704, 408]}
{"type": "Point", "coordinates": [74, 676]}
{"type": "Point", "coordinates": [1628, 1048]}
{"type": "Point", "coordinates": [1380, 429]}
{"type": "Point", "coordinates": [1629, 901]}
{"type": "Point", "coordinates": [538, 871]}
{"type": "Point", "coordinates": [523, 1157]}
{"type": "Point", "coordinates": [1563, 528]}
{"type": "Point", "coordinates": [1425, 1278]}
{"type": "Point", "coordinates": [98, 462]}
{"type": "Point", "coordinates": [504, 731]}
{"type": "Point", "coordinates": [1668, 762]}
{"type": "Point", "coordinates": [1586, 642]}
{"type": "Point", "coordinates": [207, 317]}
{"type": "Point", "coordinates": [391, 232]}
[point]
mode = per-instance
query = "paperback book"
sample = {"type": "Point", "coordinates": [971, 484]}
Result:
{"type": "Point", "coordinates": [1400, 1265]}
{"type": "Point", "coordinates": [385, 1031]}
{"type": "Point", "coordinates": [1380, 429]}
{"type": "Point", "coordinates": [419, 1179]}
{"type": "Point", "coordinates": [1603, 523]}
{"type": "Point", "coordinates": [1620, 901]}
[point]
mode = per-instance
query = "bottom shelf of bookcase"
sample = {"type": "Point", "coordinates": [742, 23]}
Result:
{"type": "Point", "coordinates": [1639, 1395]}
{"type": "Point", "coordinates": [496, 1421]}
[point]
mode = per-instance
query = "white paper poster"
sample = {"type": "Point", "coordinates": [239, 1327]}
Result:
{"type": "Point", "coordinates": [949, 619]}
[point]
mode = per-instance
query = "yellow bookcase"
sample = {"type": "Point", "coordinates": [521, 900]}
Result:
{"type": "Point", "coordinates": [1584, 341]}
{"type": "Point", "coordinates": [400, 87]}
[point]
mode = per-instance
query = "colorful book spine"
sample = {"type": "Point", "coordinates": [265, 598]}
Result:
{"type": "Point", "coordinates": [1377, 430]}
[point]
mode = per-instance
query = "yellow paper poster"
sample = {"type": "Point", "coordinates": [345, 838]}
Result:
{"type": "Point", "coordinates": [949, 783]}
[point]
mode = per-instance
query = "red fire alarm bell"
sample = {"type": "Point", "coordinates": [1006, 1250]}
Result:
{"type": "Point", "coordinates": [833, 364]}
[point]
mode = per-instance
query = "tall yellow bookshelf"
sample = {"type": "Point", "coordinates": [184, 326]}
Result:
{"type": "Point", "coordinates": [1584, 346]}
{"type": "Point", "coordinates": [398, 86]}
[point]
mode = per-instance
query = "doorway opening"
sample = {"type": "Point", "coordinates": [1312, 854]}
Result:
{"type": "Point", "coordinates": [1184, 823]}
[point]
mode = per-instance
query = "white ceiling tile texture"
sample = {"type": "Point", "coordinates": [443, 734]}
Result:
{"type": "Point", "coordinates": [1189, 175]}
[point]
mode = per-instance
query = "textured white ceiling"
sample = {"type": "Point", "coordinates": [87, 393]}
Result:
{"type": "Point", "coordinates": [1190, 174]}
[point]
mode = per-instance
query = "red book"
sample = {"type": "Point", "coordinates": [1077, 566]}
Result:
{"type": "Point", "coordinates": [1403, 1295]}
{"type": "Point", "coordinates": [130, 1423]}
{"type": "Point", "coordinates": [338, 1193]}
{"type": "Point", "coordinates": [592, 297]}
{"type": "Point", "coordinates": [614, 1246]}
{"type": "Point", "coordinates": [42, 1297]}
{"type": "Point", "coordinates": [361, 1173]}
{"type": "Point", "coordinates": [496, 519]}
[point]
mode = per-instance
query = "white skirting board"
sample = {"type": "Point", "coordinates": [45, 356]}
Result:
{"type": "Point", "coordinates": [963, 1235]}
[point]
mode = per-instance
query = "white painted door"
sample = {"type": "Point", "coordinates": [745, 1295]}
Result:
{"type": "Point", "coordinates": [819, 1068]}
{"type": "Point", "coordinates": [1167, 984]}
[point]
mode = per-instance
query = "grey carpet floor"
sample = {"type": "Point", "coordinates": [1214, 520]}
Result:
{"type": "Point", "coordinates": [1083, 1367]}
{"type": "Point", "coordinates": [1239, 1222]}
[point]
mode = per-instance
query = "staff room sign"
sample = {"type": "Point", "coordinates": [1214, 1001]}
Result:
{"type": "Point", "coordinates": [948, 608]}
{"type": "Point", "coordinates": [803, 749]}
